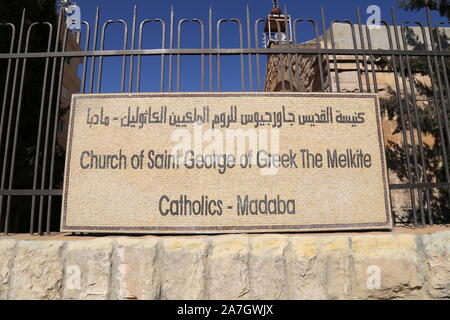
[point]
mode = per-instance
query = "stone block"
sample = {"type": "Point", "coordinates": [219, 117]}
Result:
{"type": "Point", "coordinates": [37, 271]}
{"type": "Point", "coordinates": [267, 267]}
{"type": "Point", "coordinates": [386, 267]}
{"type": "Point", "coordinates": [228, 267]}
{"type": "Point", "coordinates": [183, 265]}
{"type": "Point", "coordinates": [437, 264]}
{"type": "Point", "coordinates": [305, 269]}
{"type": "Point", "coordinates": [336, 255]}
{"type": "Point", "coordinates": [7, 252]}
{"type": "Point", "coordinates": [136, 275]}
{"type": "Point", "coordinates": [88, 269]}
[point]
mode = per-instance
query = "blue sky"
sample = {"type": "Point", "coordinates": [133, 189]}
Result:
{"type": "Point", "coordinates": [230, 65]}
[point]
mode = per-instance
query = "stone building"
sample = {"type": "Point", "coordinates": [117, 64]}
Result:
{"type": "Point", "coordinates": [303, 73]}
{"type": "Point", "coordinates": [307, 77]}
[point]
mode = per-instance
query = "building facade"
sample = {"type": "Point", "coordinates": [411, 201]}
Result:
{"type": "Point", "coordinates": [352, 73]}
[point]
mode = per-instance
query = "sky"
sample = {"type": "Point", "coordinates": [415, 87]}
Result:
{"type": "Point", "coordinates": [230, 65]}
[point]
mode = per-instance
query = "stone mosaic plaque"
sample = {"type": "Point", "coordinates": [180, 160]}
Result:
{"type": "Point", "coordinates": [225, 163]}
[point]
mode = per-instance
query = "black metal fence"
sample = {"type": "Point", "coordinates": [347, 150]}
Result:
{"type": "Point", "coordinates": [32, 114]}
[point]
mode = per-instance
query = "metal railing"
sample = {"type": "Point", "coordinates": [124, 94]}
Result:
{"type": "Point", "coordinates": [31, 154]}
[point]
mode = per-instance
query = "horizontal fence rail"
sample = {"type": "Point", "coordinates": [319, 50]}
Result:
{"type": "Point", "coordinates": [236, 51]}
{"type": "Point", "coordinates": [39, 60]}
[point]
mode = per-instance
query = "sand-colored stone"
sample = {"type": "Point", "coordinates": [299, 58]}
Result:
{"type": "Point", "coordinates": [7, 255]}
{"type": "Point", "coordinates": [305, 269]}
{"type": "Point", "coordinates": [135, 275]}
{"type": "Point", "coordinates": [335, 254]}
{"type": "Point", "coordinates": [37, 272]}
{"type": "Point", "coordinates": [267, 267]}
{"type": "Point", "coordinates": [228, 268]}
{"type": "Point", "coordinates": [436, 248]}
{"type": "Point", "coordinates": [88, 269]}
{"type": "Point", "coordinates": [183, 265]}
{"type": "Point", "coordinates": [271, 266]}
{"type": "Point", "coordinates": [394, 260]}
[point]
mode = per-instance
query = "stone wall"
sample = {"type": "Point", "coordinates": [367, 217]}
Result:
{"type": "Point", "coordinates": [355, 266]}
{"type": "Point", "coordinates": [301, 73]}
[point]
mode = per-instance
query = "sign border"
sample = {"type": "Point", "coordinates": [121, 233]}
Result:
{"type": "Point", "coordinates": [387, 225]}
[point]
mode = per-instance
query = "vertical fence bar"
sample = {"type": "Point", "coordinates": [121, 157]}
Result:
{"type": "Point", "coordinates": [8, 129]}
{"type": "Point", "coordinates": [171, 47]}
{"type": "Point", "coordinates": [102, 45]}
{"type": "Point", "coordinates": [249, 45]}
{"type": "Point", "coordinates": [219, 84]}
{"type": "Point", "coordinates": [85, 59]}
{"type": "Point", "coordinates": [363, 47]}
{"type": "Point", "coordinates": [124, 61]}
{"type": "Point", "coordinates": [133, 35]}
{"type": "Point", "coordinates": [55, 130]}
{"type": "Point", "coordinates": [418, 127]}
{"type": "Point", "coordinates": [258, 65]}
{"type": "Point", "coordinates": [210, 47]}
{"type": "Point", "coordinates": [357, 61]}
{"type": "Point", "coordinates": [297, 57]}
{"type": "Point", "coordinates": [202, 41]}
{"type": "Point", "coordinates": [178, 55]}
{"type": "Point", "coordinates": [444, 69]}
{"type": "Point", "coordinates": [163, 45]}
{"type": "Point", "coordinates": [402, 118]}
{"type": "Point", "coordinates": [5, 91]}
{"type": "Point", "coordinates": [241, 46]}
{"type": "Point", "coordinates": [372, 61]}
{"type": "Point", "coordinates": [163, 57]}
{"type": "Point", "coordinates": [94, 47]}
{"type": "Point", "coordinates": [5, 95]}
{"type": "Point", "coordinates": [438, 74]}
{"type": "Point", "coordinates": [445, 100]}
{"type": "Point", "coordinates": [138, 71]}
{"type": "Point", "coordinates": [280, 61]}
{"type": "Point", "coordinates": [289, 56]}
{"type": "Point", "coordinates": [49, 113]}
{"type": "Point", "coordinates": [124, 57]}
{"type": "Point", "coordinates": [100, 63]}
{"type": "Point", "coordinates": [319, 56]}
{"type": "Point", "coordinates": [17, 126]}
{"type": "Point", "coordinates": [436, 101]}
{"type": "Point", "coordinates": [325, 42]}
{"type": "Point", "coordinates": [202, 56]}
{"type": "Point", "coordinates": [333, 46]}
{"type": "Point", "coordinates": [411, 129]}
{"type": "Point", "coordinates": [39, 134]}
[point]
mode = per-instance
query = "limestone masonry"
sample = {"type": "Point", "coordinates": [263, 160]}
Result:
{"type": "Point", "coordinates": [356, 266]}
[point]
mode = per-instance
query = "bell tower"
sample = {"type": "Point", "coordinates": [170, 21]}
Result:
{"type": "Point", "coordinates": [278, 27]}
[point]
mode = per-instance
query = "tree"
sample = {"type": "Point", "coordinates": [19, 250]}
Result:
{"type": "Point", "coordinates": [32, 91]}
{"type": "Point", "coordinates": [443, 6]}
{"type": "Point", "coordinates": [428, 116]}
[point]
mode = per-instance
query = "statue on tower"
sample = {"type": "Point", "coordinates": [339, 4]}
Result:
{"type": "Point", "coordinates": [72, 13]}
{"type": "Point", "coordinates": [277, 29]}
{"type": "Point", "coordinates": [275, 9]}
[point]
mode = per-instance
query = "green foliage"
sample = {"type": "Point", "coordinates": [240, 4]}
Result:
{"type": "Point", "coordinates": [32, 91]}
{"type": "Point", "coordinates": [429, 119]}
{"type": "Point", "coordinates": [443, 6]}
